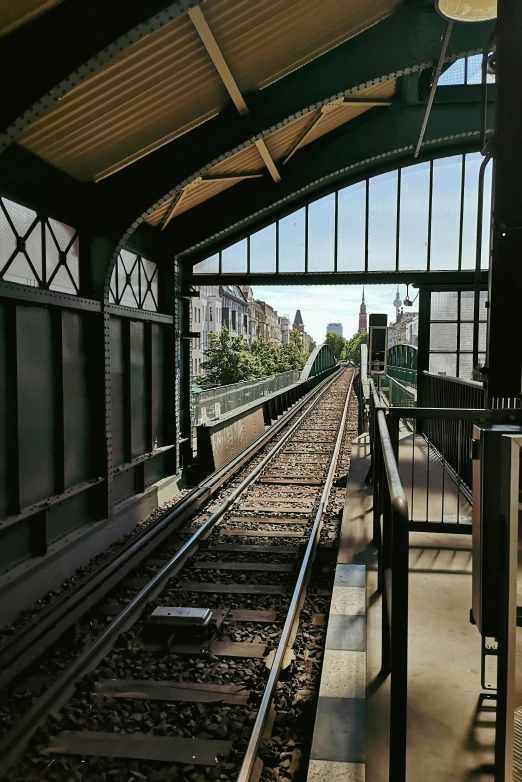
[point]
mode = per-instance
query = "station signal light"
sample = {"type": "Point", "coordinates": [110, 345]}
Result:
{"type": "Point", "coordinates": [378, 345]}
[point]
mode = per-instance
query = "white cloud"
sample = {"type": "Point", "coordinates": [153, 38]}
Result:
{"type": "Point", "coordinates": [321, 304]}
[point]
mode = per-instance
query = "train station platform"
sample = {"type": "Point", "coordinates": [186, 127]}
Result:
{"type": "Point", "coordinates": [450, 724]}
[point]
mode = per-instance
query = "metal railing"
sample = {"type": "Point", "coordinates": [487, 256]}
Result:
{"type": "Point", "coordinates": [452, 437]}
{"type": "Point", "coordinates": [402, 364]}
{"type": "Point", "coordinates": [445, 391]}
{"type": "Point", "coordinates": [216, 402]}
{"type": "Point", "coordinates": [390, 536]}
{"type": "Point", "coordinates": [400, 395]}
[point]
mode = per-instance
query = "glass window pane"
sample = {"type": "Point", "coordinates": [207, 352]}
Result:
{"type": "Point", "coordinates": [444, 305]}
{"type": "Point", "coordinates": [263, 250]}
{"type": "Point", "coordinates": [321, 234]}
{"type": "Point", "coordinates": [62, 282]}
{"type": "Point", "coordinates": [454, 74]}
{"type": "Point", "coordinates": [234, 258]}
{"type": "Point", "coordinates": [443, 363]}
{"type": "Point", "coordinates": [128, 279]}
{"type": "Point", "coordinates": [208, 266]}
{"type": "Point", "coordinates": [7, 240]}
{"type": "Point", "coordinates": [443, 336]}
{"type": "Point", "coordinates": [415, 196]}
{"type": "Point", "coordinates": [382, 224]}
{"type": "Point", "coordinates": [475, 70]}
{"type": "Point", "coordinates": [19, 271]}
{"type": "Point", "coordinates": [466, 336]}
{"type": "Point", "coordinates": [466, 365]}
{"type": "Point", "coordinates": [21, 217]}
{"type": "Point", "coordinates": [469, 224]}
{"type": "Point", "coordinates": [467, 305]}
{"type": "Point", "coordinates": [33, 248]}
{"type": "Point", "coordinates": [292, 242]}
{"type": "Point", "coordinates": [351, 206]}
{"type": "Point", "coordinates": [445, 225]}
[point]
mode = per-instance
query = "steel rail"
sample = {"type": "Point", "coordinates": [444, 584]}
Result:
{"type": "Point", "coordinates": [24, 647]}
{"type": "Point", "coordinates": [15, 740]}
{"type": "Point", "coordinates": [249, 761]}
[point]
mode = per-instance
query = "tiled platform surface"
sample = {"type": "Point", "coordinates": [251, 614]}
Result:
{"type": "Point", "coordinates": [338, 748]}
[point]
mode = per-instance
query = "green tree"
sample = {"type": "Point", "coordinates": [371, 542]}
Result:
{"type": "Point", "coordinates": [231, 359]}
{"type": "Point", "coordinates": [336, 342]}
{"type": "Point", "coordinates": [353, 347]}
{"type": "Point", "coordinates": [296, 338]}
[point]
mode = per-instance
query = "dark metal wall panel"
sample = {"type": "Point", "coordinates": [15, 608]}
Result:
{"type": "Point", "coordinates": [36, 424]}
{"type": "Point", "coordinates": [15, 544]}
{"type": "Point", "coordinates": [157, 400]}
{"type": "Point", "coordinates": [155, 469]}
{"type": "Point", "coordinates": [138, 394]}
{"type": "Point", "coordinates": [69, 515]}
{"type": "Point", "coordinates": [123, 486]}
{"type": "Point", "coordinates": [76, 402]}
{"type": "Point", "coordinates": [118, 390]}
{"type": "Point", "coordinates": [4, 416]}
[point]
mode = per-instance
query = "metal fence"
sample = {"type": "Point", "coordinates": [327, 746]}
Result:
{"type": "Point", "coordinates": [451, 438]}
{"type": "Point", "coordinates": [445, 391]}
{"type": "Point", "coordinates": [216, 402]}
{"type": "Point", "coordinates": [402, 364]}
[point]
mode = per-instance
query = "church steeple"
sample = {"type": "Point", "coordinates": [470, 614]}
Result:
{"type": "Point", "coordinates": [363, 324]}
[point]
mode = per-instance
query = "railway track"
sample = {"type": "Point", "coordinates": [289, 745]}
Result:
{"type": "Point", "coordinates": [146, 684]}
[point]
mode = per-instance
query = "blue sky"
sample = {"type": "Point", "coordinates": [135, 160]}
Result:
{"type": "Point", "coordinates": [320, 304]}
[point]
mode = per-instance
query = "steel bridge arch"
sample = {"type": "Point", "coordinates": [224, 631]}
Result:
{"type": "Point", "coordinates": [319, 360]}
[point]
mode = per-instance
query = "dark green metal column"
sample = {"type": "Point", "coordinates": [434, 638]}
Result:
{"type": "Point", "coordinates": [504, 344]}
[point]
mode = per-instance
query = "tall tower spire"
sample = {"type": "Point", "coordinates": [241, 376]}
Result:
{"type": "Point", "coordinates": [363, 324]}
{"type": "Point", "coordinates": [397, 303]}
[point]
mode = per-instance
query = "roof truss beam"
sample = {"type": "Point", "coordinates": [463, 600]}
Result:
{"type": "Point", "coordinates": [215, 54]}
{"type": "Point", "coordinates": [405, 42]}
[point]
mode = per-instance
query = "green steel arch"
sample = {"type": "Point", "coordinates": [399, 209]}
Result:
{"type": "Point", "coordinates": [319, 360]}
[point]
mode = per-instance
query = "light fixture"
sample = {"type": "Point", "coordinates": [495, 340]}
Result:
{"type": "Point", "coordinates": [407, 301]}
{"type": "Point", "coordinates": [467, 10]}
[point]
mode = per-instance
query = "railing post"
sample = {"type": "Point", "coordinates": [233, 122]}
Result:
{"type": "Point", "coordinates": [399, 643]}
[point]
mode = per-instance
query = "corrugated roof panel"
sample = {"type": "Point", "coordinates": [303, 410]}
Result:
{"type": "Point", "coordinates": [281, 141]}
{"type": "Point", "coordinates": [16, 13]}
{"type": "Point", "coordinates": [339, 116]}
{"type": "Point", "coordinates": [247, 160]}
{"type": "Point", "coordinates": [159, 88]}
{"type": "Point", "coordinates": [263, 40]}
{"type": "Point", "coordinates": [193, 197]}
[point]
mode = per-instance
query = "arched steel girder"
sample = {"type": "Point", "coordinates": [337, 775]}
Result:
{"type": "Point", "coordinates": [406, 42]}
{"type": "Point", "coordinates": [381, 143]}
{"type": "Point", "coordinates": [321, 358]}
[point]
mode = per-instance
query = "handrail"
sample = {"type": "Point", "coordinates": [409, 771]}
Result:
{"type": "Point", "coordinates": [391, 521]}
{"type": "Point", "coordinates": [460, 380]}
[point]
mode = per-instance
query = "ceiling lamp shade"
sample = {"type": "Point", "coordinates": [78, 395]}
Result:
{"type": "Point", "coordinates": [467, 10]}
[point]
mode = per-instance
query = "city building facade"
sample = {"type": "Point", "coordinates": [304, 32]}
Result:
{"type": "Point", "coordinates": [405, 331]}
{"type": "Point", "coordinates": [335, 328]}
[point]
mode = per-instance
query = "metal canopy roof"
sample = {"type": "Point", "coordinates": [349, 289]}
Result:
{"type": "Point", "coordinates": [195, 118]}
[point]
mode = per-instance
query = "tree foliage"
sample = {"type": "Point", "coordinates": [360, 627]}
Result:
{"type": "Point", "coordinates": [231, 359]}
{"type": "Point", "coordinates": [347, 349]}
